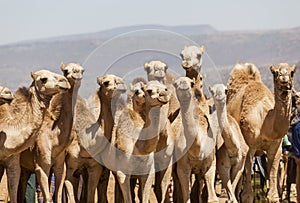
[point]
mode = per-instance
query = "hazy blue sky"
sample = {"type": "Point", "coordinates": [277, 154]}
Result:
{"type": "Point", "coordinates": [33, 19]}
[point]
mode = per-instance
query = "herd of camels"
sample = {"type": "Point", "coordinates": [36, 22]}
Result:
{"type": "Point", "coordinates": [165, 129]}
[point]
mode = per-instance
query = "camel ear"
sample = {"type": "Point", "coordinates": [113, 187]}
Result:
{"type": "Point", "coordinates": [146, 66]}
{"type": "Point", "coordinates": [99, 81]}
{"type": "Point", "coordinates": [33, 75]}
{"type": "Point", "coordinates": [211, 90]}
{"type": "Point", "coordinates": [226, 90]}
{"type": "Point", "coordinates": [62, 67]}
{"type": "Point", "coordinates": [293, 70]}
{"type": "Point", "coordinates": [251, 69]}
{"type": "Point", "coordinates": [273, 69]}
{"type": "Point", "coordinates": [166, 67]}
{"type": "Point", "coordinates": [202, 49]}
{"type": "Point", "coordinates": [175, 84]}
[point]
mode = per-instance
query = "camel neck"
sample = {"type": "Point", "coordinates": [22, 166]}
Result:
{"type": "Point", "coordinates": [106, 120]}
{"type": "Point", "coordinates": [230, 139]}
{"type": "Point", "coordinates": [153, 117]}
{"type": "Point", "coordinates": [156, 119]}
{"type": "Point", "coordinates": [140, 109]}
{"type": "Point", "coordinates": [222, 114]}
{"type": "Point", "coordinates": [38, 105]}
{"type": "Point", "coordinates": [192, 73]}
{"type": "Point", "coordinates": [190, 126]}
{"type": "Point", "coordinates": [282, 110]}
{"type": "Point", "coordinates": [74, 96]}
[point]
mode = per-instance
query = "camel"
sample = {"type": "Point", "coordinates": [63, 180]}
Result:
{"type": "Point", "coordinates": [22, 118]}
{"type": "Point", "coordinates": [157, 71]}
{"type": "Point", "coordinates": [192, 63]}
{"type": "Point", "coordinates": [231, 156]}
{"type": "Point", "coordinates": [55, 135]}
{"type": "Point", "coordinates": [93, 137]}
{"type": "Point", "coordinates": [6, 96]}
{"type": "Point", "coordinates": [136, 137]}
{"type": "Point", "coordinates": [196, 145]}
{"type": "Point", "coordinates": [264, 117]}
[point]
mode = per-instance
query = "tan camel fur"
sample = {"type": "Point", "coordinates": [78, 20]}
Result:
{"type": "Point", "coordinates": [157, 71]}
{"type": "Point", "coordinates": [93, 137]}
{"type": "Point", "coordinates": [192, 62]}
{"type": "Point", "coordinates": [192, 59]}
{"type": "Point", "coordinates": [231, 156]}
{"type": "Point", "coordinates": [136, 140]}
{"type": "Point", "coordinates": [263, 117]}
{"type": "Point", "coordinates": [6, 96]}
{"type": "Point", "coordinates": [196, 144]}
{"type": "Point", "coordinates": [55, 135]}
{"type": "Point", "coordinates": [22, 118]}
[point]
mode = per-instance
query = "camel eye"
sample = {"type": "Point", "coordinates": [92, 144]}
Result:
{"type": "Point", "coordinates": [106, 83]}
{"type": "Point", "coordinates": [44, 80]}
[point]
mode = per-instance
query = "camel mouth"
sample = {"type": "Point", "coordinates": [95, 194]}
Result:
{"type": "Point", "coordinates": [285, 85]}
{"type": "Point", "coordinates": [8, 100]}
{"type": "Point", "coordinates": [183, 89]}
{"type": "Point", "coordinates": [220, 99]}
{"type": "Point", "coordinates": [76, 78]}
{"type": "Point", "coordinates": [186, 67]}
{"type": "Point", "coordinates": [163, 101]}
{"type": "Point", "coordinates": [63, 89]}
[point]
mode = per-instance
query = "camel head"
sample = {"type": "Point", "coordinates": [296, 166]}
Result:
{"type": "Point", "coordinates": [156, 94]}
{"type": "Point", "coordinates": [283, 76]}
{"type": "Point", "coordinates": [6, 96]}
{"type": "Point", "coordinates": [48, 83]}
{"type": "Point", "coordinates": [110, 85]}
{"type": "Point", "coordinates": [192, 58]}
{"type": "Point", "coordinates": [184, 86]}
{"type": "Point", "coordinates": [218, 92]}
{"type": "Point", "coordinates": [156, 70]}
{"type": "Point", "coordinates": [137, 93]}
{"type": "Point", "coordinates": [73, 72]}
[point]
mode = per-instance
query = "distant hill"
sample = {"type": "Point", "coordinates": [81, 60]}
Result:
{"type": "Point", "coordinates": [223, 50]}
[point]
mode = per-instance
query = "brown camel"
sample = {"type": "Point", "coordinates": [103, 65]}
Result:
{"type": "Point", "coordinates": [192, 62]}
{"type": "Point", "coordinates": [93, 137]}
{"type": "Point", "coordinates": [231, 156]}
{"type": "Point", "coordinates": [22, 118]}
{"type": "Point", "coordinates": [196, 143]}
{"type": "Point", "coordinates": [6, 96]}
{"type": "Point", "coordinates": [264, 117]}
{"type": "Point", "coordinates": [157, 71]}
{"type": "Point", "coordinates": [54, 136]}
{"type": "Point", "coordinates": [135, 140]}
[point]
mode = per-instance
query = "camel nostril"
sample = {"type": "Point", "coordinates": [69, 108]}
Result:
{"type": "Point", "coordinates": [149, 92]}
